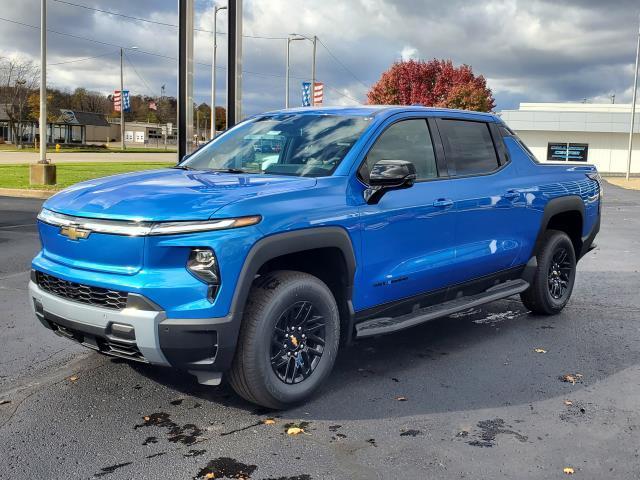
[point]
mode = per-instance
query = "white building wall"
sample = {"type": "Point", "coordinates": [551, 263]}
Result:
{"type": "Point", "coordinates": [607, 151]}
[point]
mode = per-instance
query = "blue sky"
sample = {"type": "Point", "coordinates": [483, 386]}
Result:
{"type": "Point", "coordinates": [535, 50]}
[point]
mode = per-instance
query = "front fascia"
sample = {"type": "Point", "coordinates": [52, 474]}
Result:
{"type": "Point", "coordinates": [164, 278]}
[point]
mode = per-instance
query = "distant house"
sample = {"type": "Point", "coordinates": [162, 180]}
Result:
{"type": "Point", "coordinates": [71, 127]}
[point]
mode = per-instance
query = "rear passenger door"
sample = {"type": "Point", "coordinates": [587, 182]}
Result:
{"type": "Point", "coordinates": [486, 200]}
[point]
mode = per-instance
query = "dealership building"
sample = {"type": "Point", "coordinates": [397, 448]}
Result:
{"type": "Point", "coordinates": [578, 132]}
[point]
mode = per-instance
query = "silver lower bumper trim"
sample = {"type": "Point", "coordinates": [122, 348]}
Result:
{"type": "Point", "coordinates": [145, 323]}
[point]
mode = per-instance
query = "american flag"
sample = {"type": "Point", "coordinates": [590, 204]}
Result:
{"type": "Point", "coordinates": [116, 101]}
{"type": "Point", "coordinates": [318, 94]}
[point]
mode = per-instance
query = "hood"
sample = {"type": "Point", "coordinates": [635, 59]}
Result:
{"type": "Point", "coordinates": [167, 195]}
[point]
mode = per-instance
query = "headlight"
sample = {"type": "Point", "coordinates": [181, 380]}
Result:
{"type": "Point", "coordinates": [203, 265]}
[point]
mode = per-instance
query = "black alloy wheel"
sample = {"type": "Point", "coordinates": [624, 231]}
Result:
{"type": "Point", "coordinates": [559, 274]}
{"type": "Point", "coordinates": [297, 343]}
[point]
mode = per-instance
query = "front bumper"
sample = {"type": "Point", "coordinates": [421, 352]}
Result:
{"type": "Point", "coordinates": [195, 345]}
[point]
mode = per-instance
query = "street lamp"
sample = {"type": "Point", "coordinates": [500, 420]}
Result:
{"type": "Point", "coordinates": [122, 146]}
{"type": "Point", "coordinates": [291, 38]}
{"type": "Point", "coordinates": [213, 71]}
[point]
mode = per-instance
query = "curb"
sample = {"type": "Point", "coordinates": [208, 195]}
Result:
{"type": "Point", "coordinates": [24, 193]}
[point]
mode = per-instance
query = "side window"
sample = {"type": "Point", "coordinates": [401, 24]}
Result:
{"type": "Point", "coordinates": [468, 146]}
{"type": "Point", "coordinates": [408, 140]}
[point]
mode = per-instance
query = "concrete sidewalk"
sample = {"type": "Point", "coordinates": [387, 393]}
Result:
{"type": "Point", "coordinates": [33, 157]}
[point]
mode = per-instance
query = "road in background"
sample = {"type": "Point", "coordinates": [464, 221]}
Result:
{"type": "Point", "coordinates": [461, 397]}
{"type": "Point", "coordinates": [32, 157]}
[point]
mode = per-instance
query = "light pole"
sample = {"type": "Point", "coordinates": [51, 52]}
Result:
{"type": "Point", "coordinates": [213, 71]}
{"type": "Point", "coordinates": [291, 38]}
{"type": "Point", "coordinates": [43, 82]}
{"type": "Point", "coordinates": [633, 106]}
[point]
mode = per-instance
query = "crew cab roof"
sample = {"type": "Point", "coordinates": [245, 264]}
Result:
{"type": "Point", "coordinates": [386, 110]}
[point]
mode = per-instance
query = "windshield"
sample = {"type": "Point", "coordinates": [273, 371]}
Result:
{"type": "Point", "coordinates": [282, 144]}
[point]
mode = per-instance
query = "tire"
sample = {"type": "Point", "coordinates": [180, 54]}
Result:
{"type": "Point", "coordinates": [551, 287]}
{"type": "Point", "coordinates": [283, 299]}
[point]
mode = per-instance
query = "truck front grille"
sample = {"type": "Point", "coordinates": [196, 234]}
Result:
{"type": "Point", "coordinates": [101, 297]}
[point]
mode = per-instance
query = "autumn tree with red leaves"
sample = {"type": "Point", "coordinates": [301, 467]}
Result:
{"type": "Point", "coordinates": [436, 83]}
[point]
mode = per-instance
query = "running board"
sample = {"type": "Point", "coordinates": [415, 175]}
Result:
{"type": "Point", "coordinates": [380, 326]}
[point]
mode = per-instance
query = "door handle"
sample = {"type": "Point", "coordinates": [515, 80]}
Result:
{"type": "Point", "coordinates": [443, 203]}
{"type": "Point", "coordinates": [511, 195]}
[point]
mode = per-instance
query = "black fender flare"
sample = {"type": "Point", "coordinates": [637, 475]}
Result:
{"type": "Point", "coordinates": [285, 243]}
{"type": "Point", "coordinates": [570, 203]}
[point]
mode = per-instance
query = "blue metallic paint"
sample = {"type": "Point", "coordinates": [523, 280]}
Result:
{"type": "Point", "coordinates": [403, 246]}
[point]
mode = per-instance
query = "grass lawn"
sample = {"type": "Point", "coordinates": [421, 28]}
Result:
{"type": "Point", "coordinates": [17, 176]}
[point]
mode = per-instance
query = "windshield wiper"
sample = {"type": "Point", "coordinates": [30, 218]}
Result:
{"type": "Point", "coordinates": [229, 170]}
{"type": "Point", "coordinates": [182, 167]}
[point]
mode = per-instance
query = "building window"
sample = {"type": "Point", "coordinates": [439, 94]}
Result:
{"type": "Point", "coordinates": [572, 152]}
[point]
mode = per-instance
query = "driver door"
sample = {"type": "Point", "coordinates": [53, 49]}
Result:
{"type": "Point", "coordinates": [408, 237]}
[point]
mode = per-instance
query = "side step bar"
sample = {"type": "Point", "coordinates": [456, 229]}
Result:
{"type": "Point", "coordinates": [380, 326]}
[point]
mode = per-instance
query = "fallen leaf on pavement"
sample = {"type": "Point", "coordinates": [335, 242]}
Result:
{"type": "Point", "coordinates": [539, 350]}
{"type": "Point", "coordinates": [210, 475]}
{"type": "Point", "coordinates": [269, 421]}
{"type": "Point", "coordinates": [146, 419]}
{"type": "Point", "coordinates": [401, 399]}
{"type": "Point", "coordinates": [571, 378]}
{"type": "Point", "coordinates": [568, 470]}
{"type": "Point", "coordinates": [73, 378]}
{"type": "Point", "coordinates": [295, 431]}
{"type": "Point", "coordinates": [568, 403]}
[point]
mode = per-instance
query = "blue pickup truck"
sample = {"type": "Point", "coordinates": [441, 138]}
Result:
{"type": "Point", "coordinates": [355, 222]}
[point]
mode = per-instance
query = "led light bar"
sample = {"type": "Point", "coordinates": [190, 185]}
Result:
{"type": "Point", "coordinates": [140, 229]}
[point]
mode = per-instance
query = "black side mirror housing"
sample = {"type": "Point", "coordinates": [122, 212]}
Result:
{"type": "Point", "coordinates": [387, 175]}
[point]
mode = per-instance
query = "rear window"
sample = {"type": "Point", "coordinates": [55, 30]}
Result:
{"type": "Point", "coordinates": [468, 146]}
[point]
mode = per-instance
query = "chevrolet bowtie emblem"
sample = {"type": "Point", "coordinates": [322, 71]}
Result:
{"type": "Point", "coordinates": [74, 233]}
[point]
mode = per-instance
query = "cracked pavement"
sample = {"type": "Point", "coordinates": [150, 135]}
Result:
{"type": "Point", "coordinates": [479, 402]}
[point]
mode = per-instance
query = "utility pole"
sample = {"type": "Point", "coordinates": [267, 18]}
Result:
{"type": "Point", "coordinates": [633, 104]}
{"type": "Point", "coordinates": [43, 82]}
{"type": "Point", "coordinates": [234, 59]}
{"type": "Point", "coordinates": [185, 77]}
{"type": "Point", "coordinates": [122, 146]}
{"type": "Point", "coordinates": [216, 9]}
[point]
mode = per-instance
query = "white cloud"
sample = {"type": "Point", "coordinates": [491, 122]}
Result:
{"type": "Point", "coordinates": [526, 49]}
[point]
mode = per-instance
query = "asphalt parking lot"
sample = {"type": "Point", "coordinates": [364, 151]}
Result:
{"type": "Point", "coordinates": [466, 396]}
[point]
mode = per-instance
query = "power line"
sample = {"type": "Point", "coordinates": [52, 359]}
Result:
{"type": "Point", "coordinates": [248, 72]}
{"type": "Point", "coordinates": [149, 89]}
{"type": "Point", "coordinates": [343, 65]}
{"type": "Point", "coordinates": [155, 22]}
{"type": "Point", "coordinates": [83, 59]}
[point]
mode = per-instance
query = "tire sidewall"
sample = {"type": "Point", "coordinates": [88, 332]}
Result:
{"type": "Point", "coordinates": [289, 293]}
{"type": "Point", "coordinates": [557, 240]}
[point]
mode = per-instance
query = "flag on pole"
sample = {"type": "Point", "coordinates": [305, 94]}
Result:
{"type": "Point", "coordinates": [306, 94]}
{"type": "Point", "coordinates": [318, 94]}
{"type": "Point", "coordinates": [117, 100]}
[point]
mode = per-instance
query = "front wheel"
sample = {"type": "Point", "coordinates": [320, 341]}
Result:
{"type": "Point", "coordinates": [555, 276]}
{"type": "Point", "coordinates": [288, 340]}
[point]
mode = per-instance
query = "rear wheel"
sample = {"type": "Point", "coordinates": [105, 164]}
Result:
{"type": "Point", "coordinates": [288, 340]}
{"type": "Point", "coordinates": [555, 276]}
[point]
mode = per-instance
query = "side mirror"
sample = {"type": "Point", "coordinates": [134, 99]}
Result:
{"type": "Point", "coordinates": [389, 175]}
